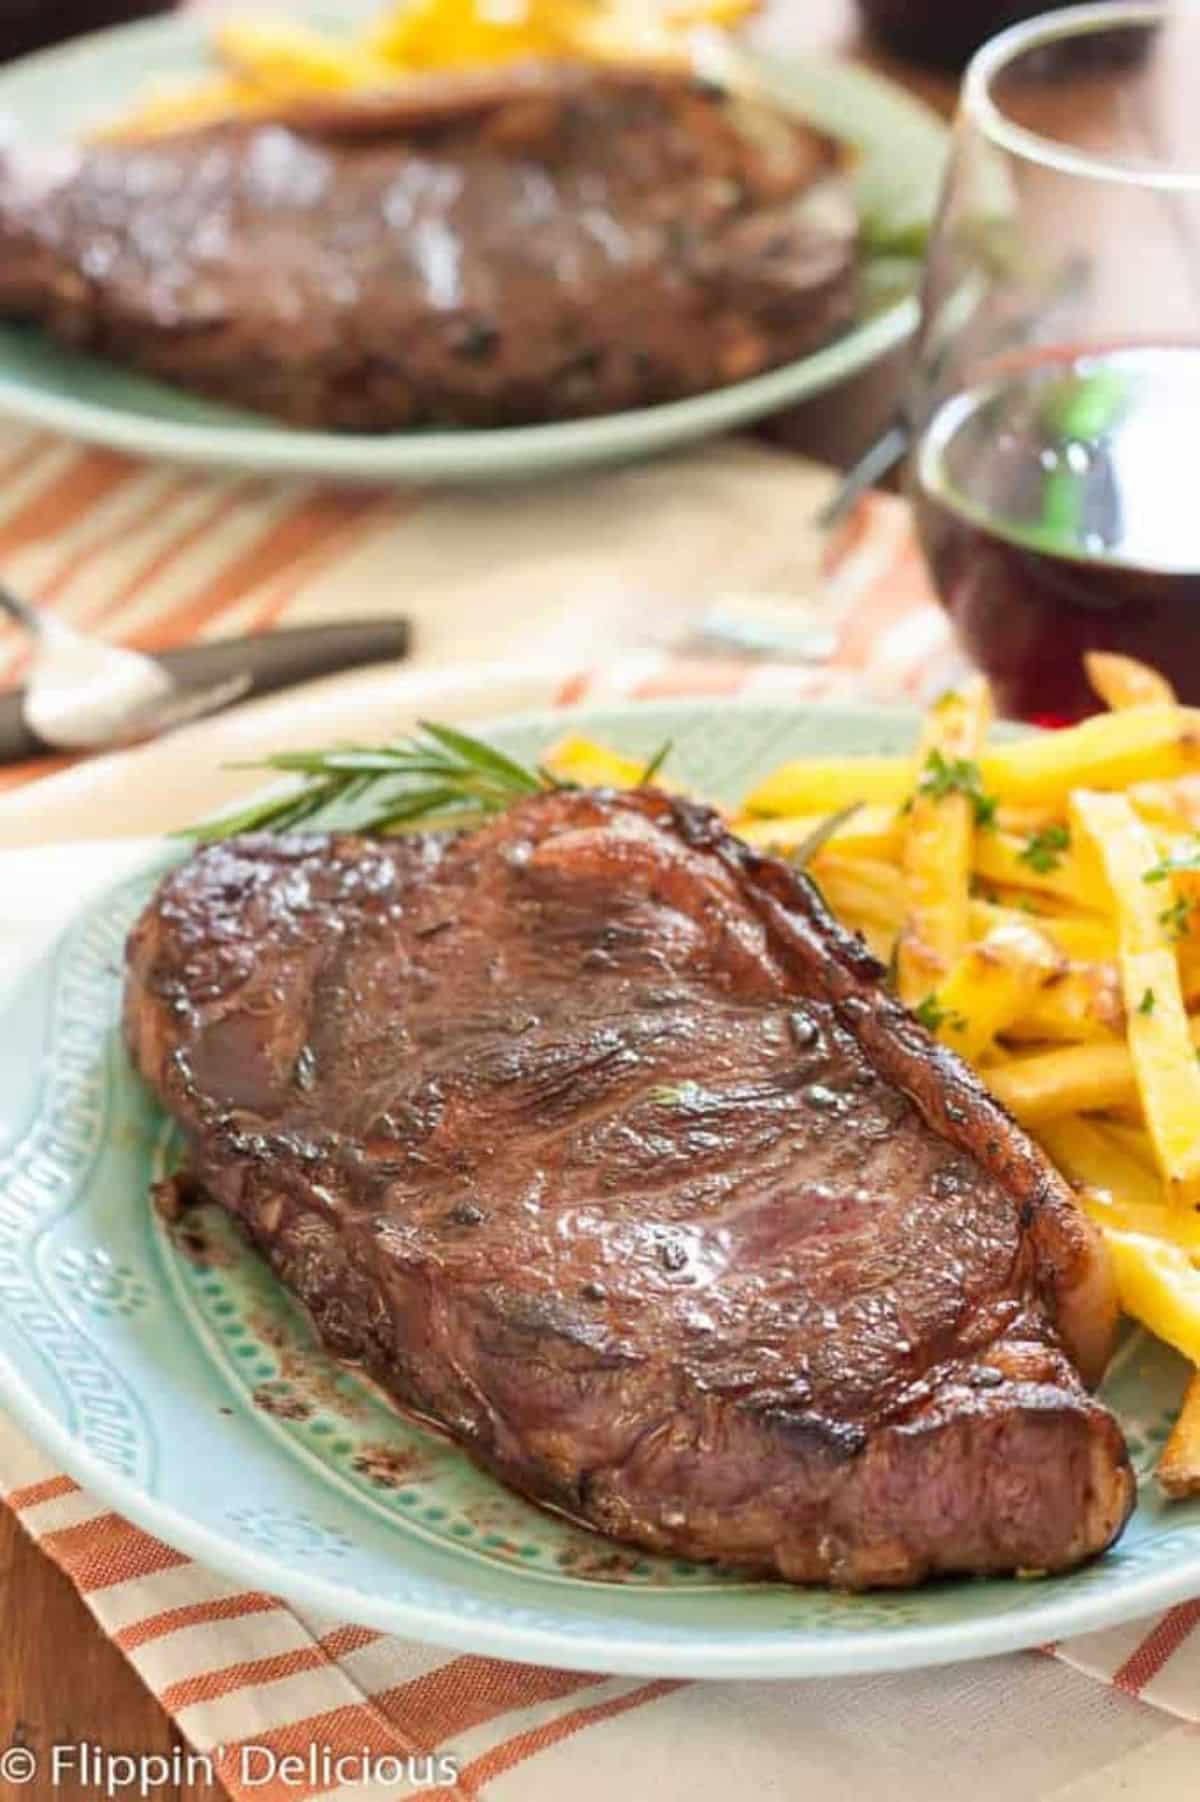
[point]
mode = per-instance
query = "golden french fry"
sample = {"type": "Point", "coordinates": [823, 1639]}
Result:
{"type": "Point", "coordinates": [1169, 803]}
{"type": "Point", "coordinates": [1151, 1245]}
{"type": "Point", "coordinates": [868, 832]}
{"type": "Point", "coordinates": [824, 785]}
{"type": "Point", "coordinates": [1076, 1006]}
{"type": "Point", "coordinates": [1108, 1174]}
{"type": "Point", "coordinates": [1159, 1285]}
{"type": "Point", "coordinates": [1047, 861]}
{"type": "Point", "coordinates": [593, 765]}
{"type": "Point", "coordinates": [1142, 744]}
{"type": "Point", "coordinates": [1107, 752]}
{"type": "Point", "coordinates": [1084, 938]}
{"type": "Point", "coordinates": [939, 831]}
{"type": "Point", "coordinates": [1124, 682]}
{"type": "Point", "coordinates": [429, 34]}
{"type": "Point", "coordinates": [859, 888]}
{"type": "Point", "coordinates": [992, 985]}
{"type": "Point", "coordinates": [1071, 1079]}
{"type": "Point", "coordinates": [1178, 1469]}
{"type": "Point", "coordinates": [288, 58]}
{"type": "Point", "coordinates": [1160, 1043]}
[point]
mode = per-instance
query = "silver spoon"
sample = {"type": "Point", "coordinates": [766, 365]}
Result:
{"type": "Point", "coordinates": [85, 695]}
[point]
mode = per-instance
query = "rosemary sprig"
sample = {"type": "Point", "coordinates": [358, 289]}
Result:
{"type": "Point", "coordinates": [439, 774]}
{"type": "Point", "coordinates": [438, 777]}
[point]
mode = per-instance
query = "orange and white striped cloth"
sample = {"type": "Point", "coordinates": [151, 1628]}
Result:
{"type": "Point", "coordinates": [157, 556]}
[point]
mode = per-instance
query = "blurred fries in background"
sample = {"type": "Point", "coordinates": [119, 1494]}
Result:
{"type": "Point", "coordinates": [268, 62]}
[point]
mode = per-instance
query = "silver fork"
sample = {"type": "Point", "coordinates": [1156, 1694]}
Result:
{"type": "Point", "coordinates": [85, 695]}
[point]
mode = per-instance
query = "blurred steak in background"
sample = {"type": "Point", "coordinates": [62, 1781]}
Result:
{"type": "Point", "coordinates": [537, 243]}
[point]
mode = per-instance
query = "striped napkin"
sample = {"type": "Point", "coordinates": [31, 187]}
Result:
{"type": "Point", "coordinates": [158, 557]}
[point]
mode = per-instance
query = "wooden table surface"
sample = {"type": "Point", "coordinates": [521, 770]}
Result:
{"type": "Point", "coordinates": [61, 1681]}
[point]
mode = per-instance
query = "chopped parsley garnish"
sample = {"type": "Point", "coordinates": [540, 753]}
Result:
{"type": "Point", "coordinates": [1177, 918]}
{"type": "Point", "coordinates": [1187, 859]}
{"type": "Point", "coordinates": [1045, 850]}
{"type": "Point", "coordinates": [1146, 1004]}
{"type": "Point", "coordinates": [933, 1015]}
{"type": "Point", "coordinates": [944, 776]}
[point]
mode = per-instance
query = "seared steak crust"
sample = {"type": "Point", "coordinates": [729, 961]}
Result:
{"type": "Point", "coordinates": [592, 1136]}
{"type": "Point", "coordinates": [544, 243]}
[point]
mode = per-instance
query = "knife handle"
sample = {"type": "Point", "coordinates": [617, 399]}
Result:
{"type": "Point", "coordinates": [272, 660]}
{"type": "Point", "coordinates": [275, 660]}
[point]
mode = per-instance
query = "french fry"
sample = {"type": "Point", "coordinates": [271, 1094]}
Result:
{"type": "Point", "coordinates": [1178, 1469]}
{"type": "Point", "coordinates": [1108, 1174]}
{"type": "Point", "coordinates": [1164, 1058]}
{"type": "Point", "coordinates": [1062, 869]}
{"type": "Point", "coordinates": [824, 785]}
{"type": "Point", "coordinates": [939, 831]}
{"type": "Point", "coordinates": [868, 832]}
{"type": "Point", "coordinates": [1159, 1285]}
{"type": "Point", "coordinates": [1075, 1006]}
{"type": "Point", "coordinates": [859, 888]}
{"type": "Point", "coordinates": [1143, 744]}
{"type": "Point", "coordinates": [1084, 938]}
{"type": "Point", "coordinates": [1124, 682]}
{"type": "Point", "coordinates": [992, 985]}
{"type": "Point", "coordinates": [1112, 750]}
{"type": "Point", "coordinates": [1156, 1280]}
{"type": "Point", "coordinates": [431, 34]}
{"type": "Point", "coordinates": [287, 58]}
{"type": "Point", "coordinates": [593, 765]}
{"type": "Point", "coordinates": [1072, 1079]}
{"type": "Point", "coordinates": [1169, 803]}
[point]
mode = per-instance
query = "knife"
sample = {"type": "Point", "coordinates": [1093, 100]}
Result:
{"type": "Point", "coordinates": [268, 661]}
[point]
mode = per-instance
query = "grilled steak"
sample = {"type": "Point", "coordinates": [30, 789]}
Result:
{"type": "Point", "coordinates": [550, 242]}
{"type": "Point", "coordinates": [593, 1137]}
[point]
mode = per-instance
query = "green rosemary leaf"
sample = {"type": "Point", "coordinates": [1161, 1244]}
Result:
{"type": "Point", "coordinates": [802, 854]}
{"type": "Point", "coordinates": [474, 753]}
{"type": "Point", "coordinates": [655, 764]}
{"type": "Point", "coordinates": [439, 776]}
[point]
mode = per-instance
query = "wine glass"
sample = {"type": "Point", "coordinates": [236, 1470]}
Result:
{"type": "Point", "coordinates": [1055, 410]}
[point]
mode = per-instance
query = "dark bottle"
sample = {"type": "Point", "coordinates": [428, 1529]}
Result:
{"type": "Point", "coordinates": [30, 24]}
{"type": "Point", "coordinates": [945, 34]}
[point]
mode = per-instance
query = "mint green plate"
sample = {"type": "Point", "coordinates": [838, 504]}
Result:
{"type": "Point", "coordinates": [61, 93]}
{"type": "Point", "coordinates": [169, 1374]}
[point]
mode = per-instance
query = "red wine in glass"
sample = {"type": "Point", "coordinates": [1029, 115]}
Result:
{"type": "Point", "coordinates": [1059, 509]}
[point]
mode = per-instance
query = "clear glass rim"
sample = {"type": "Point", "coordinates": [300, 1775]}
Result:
{"type": "Point", "coordinates": [980, 106]}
